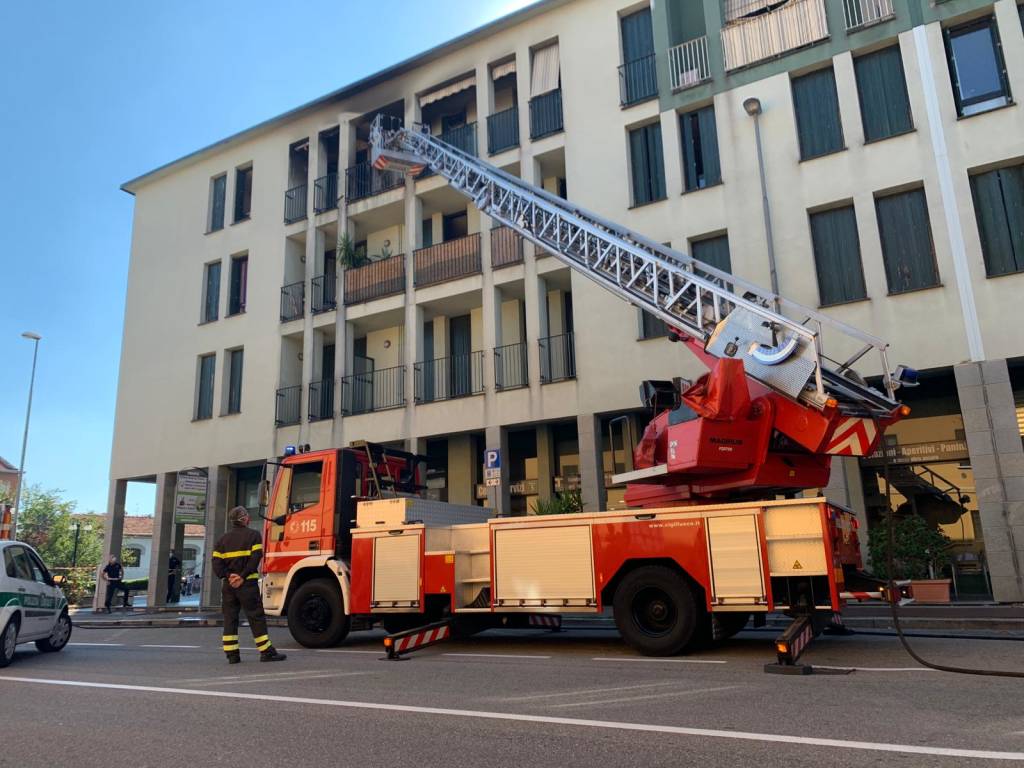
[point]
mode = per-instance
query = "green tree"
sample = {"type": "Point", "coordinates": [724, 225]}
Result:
{"type": "Point", "coordinates": [47, 522]}
{"type": "Point", "coordinates": [916, 545]}
{"type": "Point", "coordinates": [564, 503]}
{"type": "Point", "coordinates": [6, 493]}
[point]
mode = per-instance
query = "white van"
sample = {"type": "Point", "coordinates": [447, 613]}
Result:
{"type": "Point", "coordinates": [32, 607]}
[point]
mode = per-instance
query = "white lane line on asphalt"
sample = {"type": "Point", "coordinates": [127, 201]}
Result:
{"type": "Point", "coordinates": [169, 646]}
{"type": "Point", "coordinates": [337, 650]}
{"type": "Point", "coordinates": [870, 746]}
{"type": "Point", "coordinates": [108, 645]}
{"type": "Point", "coordinates": [648, 696]}
{"type": "Point", "coordinates": [661, 661]}
{"type": "Point", "coordinates": [878, 669]}
{"type": "Point", "coordinates": [586, 691]}
{"type": "Point", "coordinates": [284, 678]}
{"type": "Point", "coordinates": [496, 655]}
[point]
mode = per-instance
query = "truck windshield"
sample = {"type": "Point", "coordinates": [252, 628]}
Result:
{"type": "Point", "coordinates": [305, 490]}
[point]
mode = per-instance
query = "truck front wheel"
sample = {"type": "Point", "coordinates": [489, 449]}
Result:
{"type": "Point", "coordinates": [655, 610]}
{"type": "Point", "coordinates": [316, 616]}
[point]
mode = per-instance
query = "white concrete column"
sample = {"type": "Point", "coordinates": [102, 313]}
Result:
{"type": "Point", "coordinates": [163, 533]}
{"type": "Point", "coordinates": [546, 465]}
{"type": "Point", "coordinates": [588, 427]}
{"type": "Point", "coordinates": [216, 524]}
{"type": "Point", "coordinates": [491, 313]}
{"type": "Point", "coordinates": [113, 533]}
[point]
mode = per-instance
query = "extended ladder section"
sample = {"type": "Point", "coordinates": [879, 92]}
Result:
{"type": "Point", "coordinates": [726, 314]}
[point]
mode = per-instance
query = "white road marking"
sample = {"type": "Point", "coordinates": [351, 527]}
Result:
{"type": "Point", "coordinates": [878, 669]}
{"type": "Point", "coordinates": [649, 696]}
{"type": "Point", "coordinates": [109, 645]}
{"type": "Point", "coordinates": [586, 691]}
{"type": "Point", "coordinates": [660, 661]}
{"type": "Point", "coordinates": [170, 646]}
{"type": "Point", "coordinates": [282, 678]}
{"type": "Point", "coordinates": [870, 746]}
{"type": "Point", "coordinates": [496, 655]}
{"type": "Point", "coordinates": [337, 650]}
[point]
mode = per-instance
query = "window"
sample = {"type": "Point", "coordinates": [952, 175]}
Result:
{"type": "Point", "coordinates": [235, 357]}
{"type": "Point", "coordinates": [218, 194]}
{"type": "Point", "coordinates": [305, 490]}
{"type": "Point", "coordinates": [713, 251]}
{"type": "Point", "coordinates": [131, 557]}
{"type": "Point", "coordinates": [882, 89]}
{"type": "Point", "coordinates": [204, 398]}
{"type": "Point", "coordinates": [999, 209]}
{"type": "Point", "coordinates": [239, 284]}
{"type": "Point", "coordinates": [976, 67]}
{"type": "Point", "coordinates": [243, 193]}
{"type": "Point", "coordinates": [638, 78]}
{"type": "Point", "coordinates": [454, 226]}
{"type": "Point", "coordinates": [428, 233]}
{"type": "Point", "coordinates": [17, 564]}
{"type": "Point", "coordinates": [701, 167]}
{"type": "Point", "coordinates": [652, 327]}
{"type": "Point", "coordinates": [837, 256]}
{"type": "Point", "coordinates": [648, 167]}
{"type": "Point", "coordinates": [211, 292]}
{"type": "Point", "coordinates": [190, 555]}
{"type": "Point", "coordinates": [906, 241]}
{"type": "Point", "coordinates": [817, 114]}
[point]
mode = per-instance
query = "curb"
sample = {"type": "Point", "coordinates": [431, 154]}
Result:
{"type": "Point", "coordinates": [272, 621]}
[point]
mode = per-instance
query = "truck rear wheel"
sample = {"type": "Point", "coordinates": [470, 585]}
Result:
{"type": "Point", "coordinates": [316, 614]}
{"type": "Point", "coordinates": [655, 610]}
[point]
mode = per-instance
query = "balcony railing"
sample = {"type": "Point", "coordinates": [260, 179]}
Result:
{"type": "Point", "coordinates": [463, 137]}
{"type": "Point", "coordinates": [557, 358]}
{"type": "Point", "coordinates": [293, 301]}
{"type": "Point", "coordinates": [325, 193]}
{"type": "Point", "coordinates": [324, 297]}
{"type": "Point", "coordinates": [287, 406]}
{"type": "Point", "coordinates": [638, 80]}
{"type": "Point", "coordinates": [321, 400]}
{"type": "Point", "coordinates": [510, 369]}
{"type": "Point", "coordinates": [449, 377]}
{"type": "Point", "coordinates": [363, 180]}
{"type": "Point", "coordinates": [773, 33]}
{"type": "Point", "coordinates": [295, 204]}
{"type": "Point", "coordinates": [862, 13]}
{"type": "Point", "coordinates": [449, 260]}
{"type": "Point", "coordinates": [373, 391]}
{"type": "Point", "coordinates": [546, 114]}
{"type": "Point", "coordinates": [379, 278]}
{"type": "Point", "coordinates": [503, 130]}
{"type": "Point", "coordinates": [506, 247]}
{"type": "Point", "coordinates": [688, 63]}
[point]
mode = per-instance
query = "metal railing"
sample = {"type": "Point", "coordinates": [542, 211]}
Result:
{"type": "Point", "coordinates": [379, 278]}
{"type": "Point", "coordinates": [287, 405]}
{"type": "Point", "coordinates": [861, 13]}
{"type": "Point", "coordinates": [293, 301]}
{"type": "Point", "coordinates": [546, 114]}
{"type": "Point", "coordinates": [445, 261]}
{"type": "Point", "coordinates": [447, 378]}
{"type": "Point", "coordinates": [463, 137]}
{"type": "Point", "coordinates": [295, 204]}
{"type": "Point", "coordinates": [324, 297]}
{"type": "Point", "coordinates": [510, 368]}
{"type": "Point", "coordinates": [506, 247]}
{"type": "Point", "coordinates": [362, 180]}
{"type": "Point", "coordinates": [321, 400]}
{"type": "Point", "coordinates": [638, 80]}
{"type": "Point", "coordinates": [773, 33]}
{"type": "Point", "coordinates": [503, 130]}
{"type": "Point", "coordinates": [688, 63]}
{"type": "Point", "coordinates": [325, 193]}
{"type": "Point", "coordinates": [373, 391]}
{"type": "Point", "coordinates": [557, 358]}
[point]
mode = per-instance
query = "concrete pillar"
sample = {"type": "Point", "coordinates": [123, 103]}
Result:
{"type": "Point", "coordinates": [163, 533]}
{"type": "Point", "coordinates": [484, 106]}
{"type": "Point", "coordinates": [497, 437]}
{"type": "Point", "coordinates": [461, 470]}
{"type": "Point", "coordinates": [536, 322]}
{"type": "Point", "coordinates": [491, 314]}
{"type": "Point", "coordinates": [588, 427]}
{"type": "Point", "coordinates": [846, 489]}
{"type": "Point", "coordinates": [308, 352]}
{"type": "Point", "coordinates": [546, 466]}
{"type": "Point", "coordinates": [997, 459]}
{"type": "Point", "coordinates": [113, 533]}
{"type": "Point", "coordinates": [216, 524]}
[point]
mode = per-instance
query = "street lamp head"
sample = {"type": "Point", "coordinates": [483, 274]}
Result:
{"type": "Point", "coordinates": [30, 335]}
{"type": "Point", "coordinates": [752, 106]}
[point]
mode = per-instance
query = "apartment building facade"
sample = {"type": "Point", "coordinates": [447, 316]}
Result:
{"type": "Point", "coordinates": [282, 291]}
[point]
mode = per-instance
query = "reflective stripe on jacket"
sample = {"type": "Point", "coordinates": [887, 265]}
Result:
{"type": "Point", "coordinates": [238, 551]}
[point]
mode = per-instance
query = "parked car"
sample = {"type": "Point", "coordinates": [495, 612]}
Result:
{"type": "Point", "coordinates": [32, 606]}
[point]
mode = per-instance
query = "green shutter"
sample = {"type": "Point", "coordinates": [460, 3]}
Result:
{"type": "Point", "coordinates": [637, 35]}
{"type": "Point", "coordinates": [657, 160]}
{"type": "Point", "coordinates": [212, 292]}
{"type": "Point", "coordinates": [701, 166]}
{"type": "Point", "coordinates": [220, 185]}
{"type": "Point", "coordinates": [235, 388]}
{"type": "Point", "coordinates": [714, 252]}
{"type": "Point", "coordinates": [647, 164]}
{"type": "Point", "coordinates": [837, 256]}
{"type": "Point", "coordinates": [999, 209]}
{"type": "Point", "coordinates": [906, 236]}
{"type": "Point", "coordinates": [882, 88]}
{"type": "Point", "coordinates": [817, 114]}
{"type": "Point", "coordinates": [204, 409]}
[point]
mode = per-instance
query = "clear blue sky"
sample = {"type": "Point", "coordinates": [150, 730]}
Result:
{"type": "Point", "coordinates": [96, 93]}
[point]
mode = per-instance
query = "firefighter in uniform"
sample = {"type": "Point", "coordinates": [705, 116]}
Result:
{"type": "Point", "coordinates": [236, 559]}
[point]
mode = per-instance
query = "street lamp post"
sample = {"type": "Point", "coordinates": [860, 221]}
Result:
{"type": "Point", "coordinates": [752, 107]}
{"type": "Point", "coordinates": [74, 553]}
{"type": "Point", "coordinates": [35, 337]}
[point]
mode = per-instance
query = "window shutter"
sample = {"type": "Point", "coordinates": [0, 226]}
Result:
{"type": "Point", "coordinates": [714, 252]}
{"type": "Point", "coordinates": [235, 390]}
{"type": "Point", "coordinates": [656, 170]}
{"type": "Point", "coordinates": [204, 409]}
{"type": "Point", "coordinates": [639, 165]}
{"type": "Point", "coordinates": [999, 209]}
{"type": "Point", "coordinates": [837, 256]}
{"type": "Point", "coordinates": [637, 36]}
{"type": "Point", "coordinates": [701, 166]}
{"type": "Point", "coordinates": [217, 208]}
{"type": "Point", "coordinates": [545, 75]}
{"type": "Point", "coordinates": [817, 114]}
{"type": "Point", "coordinates": [882, 88]}
{"type": "Point", "coordinates": [709, 146]}
{"type": "Point", "coordinates": [906, 236]}
{"type": "Point", "coordinates": [212, 292]}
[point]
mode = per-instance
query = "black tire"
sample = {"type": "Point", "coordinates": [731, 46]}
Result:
{"type": "Point", "coordinates": [316, 614]}
{"type": "Point", "coordinates": [59, 637]}
{"type": "Point", "coordinates": [8, 642]}
{"type": "Point", "coordinates": [655, 610]}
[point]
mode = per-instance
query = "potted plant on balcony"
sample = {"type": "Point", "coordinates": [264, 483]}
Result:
{"type": "Point", "coordinates": [347, 254]}
{"type": "Point", "coordinates": [919, 550]}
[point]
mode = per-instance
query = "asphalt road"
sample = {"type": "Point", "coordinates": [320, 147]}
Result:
{"type": "Point", "coordinates": [156, 697]}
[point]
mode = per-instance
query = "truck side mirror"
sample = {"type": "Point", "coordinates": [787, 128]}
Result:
{"type": "Point", "coordinates": [264, 498]}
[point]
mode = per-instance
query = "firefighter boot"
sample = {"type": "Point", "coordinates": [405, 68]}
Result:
{"type": "Point", "coordinates": [271, 654]}
{"type": "Point", "coordinates": [234, 658]}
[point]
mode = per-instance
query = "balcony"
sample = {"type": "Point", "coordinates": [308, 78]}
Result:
{"type": "Point", "coordinates": [463, 137]}
{"type": "Point", "coordinates": [864, 13]}
{"type": "Point", "coordinates": [510, 370]}
{"type": "Point", "coordinates": [688, 64]}
{"type": "Point", "coordinates": [325, 193]}
{"type": "Point", "coordinates": [293, 301]}
{"type": "Point", "coordinates": [447, 378]}
{"type": "Point", "coordinates": [638, 81]}
{"type": "Point", "coordinates": [379, 278]}
{"type": "Point", "coordinates": [771, 33]}
{"type": "Point", "coordinates": [321, 400]}
{"type": "Point", "coordinates": [445, 261]}
{"type": "Point", "coordinates": [373, 391]}
{"type": "Point", "coordinates": [557, 358]}
{"type": "Point", "coordinates": [503, 130]}
{"type": "Point", "coordinates": [295, 204]}
{"type": "Point", "coordinates": [286, 406]}
{"type": "Point", "coordinates": [506, 247]}
{"type": "Point", "coordinates": [363, 180]}
{"type": "Point", "coordinates": [546, 114]}
{"type": "Point", "coordinates": [324, 297]}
